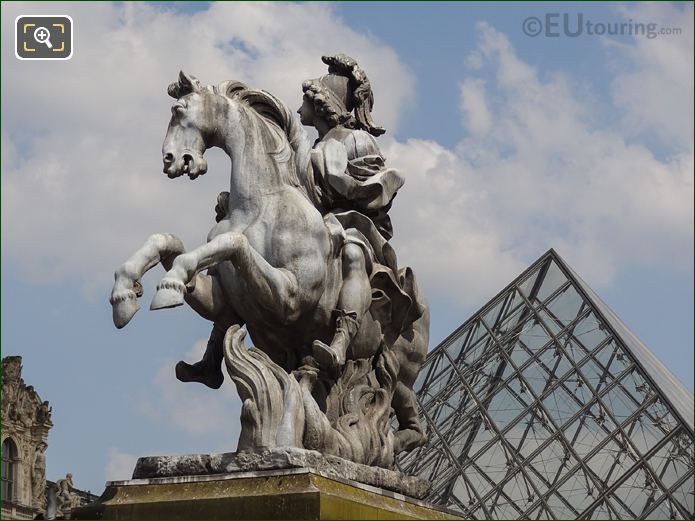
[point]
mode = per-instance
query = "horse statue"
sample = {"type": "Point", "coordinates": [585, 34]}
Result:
{"type": "Point", "coordinates": [273, 264]}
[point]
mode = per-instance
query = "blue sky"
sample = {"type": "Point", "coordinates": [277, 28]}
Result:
{"type": "Point", "coordinates": [510, 145]}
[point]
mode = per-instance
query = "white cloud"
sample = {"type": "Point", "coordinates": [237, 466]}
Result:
{"type": "Point", "coordinates": [474, 106]}
{"type": "Point", "coordinates": [656, 87]}
{"type": "Point", "coordinates": [544, 175]}
{"type": "Point", "coordinates": [120, 465]}
{"type": "Point", "coordinates": [193, 408]}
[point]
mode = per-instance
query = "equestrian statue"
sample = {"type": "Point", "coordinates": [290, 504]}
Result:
{"type": "Point", "coordinates": [300, 258]}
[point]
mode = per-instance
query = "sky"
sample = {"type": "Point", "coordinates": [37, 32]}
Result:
{"type": "Point", "coordinates": [510, 144]}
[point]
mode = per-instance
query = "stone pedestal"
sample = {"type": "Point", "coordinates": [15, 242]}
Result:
{"type": "Point", "coordinates": [293, 493]}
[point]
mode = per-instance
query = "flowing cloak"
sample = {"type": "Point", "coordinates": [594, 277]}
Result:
{"type": "Point", "coordinates": [354, 189]}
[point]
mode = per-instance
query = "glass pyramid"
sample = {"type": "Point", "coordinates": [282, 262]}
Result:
{"type": "Point", "coordinates": [544, 405]}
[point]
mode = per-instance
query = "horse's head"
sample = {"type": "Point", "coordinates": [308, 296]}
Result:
{"type": "Point", "coordinates": [190, 128]}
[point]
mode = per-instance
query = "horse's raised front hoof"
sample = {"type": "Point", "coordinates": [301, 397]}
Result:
{"type": "Point", "coordinates": [125, 304]}
{"type": "Point", "coordinates": [199, 373]}
{"type": "Point", "coordinates": [326, 356]}
{"type": "Point", "coordinates": [169, 294]}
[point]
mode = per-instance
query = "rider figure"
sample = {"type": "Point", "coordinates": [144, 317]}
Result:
{"type": "Point", "coordinates": [350, 176]}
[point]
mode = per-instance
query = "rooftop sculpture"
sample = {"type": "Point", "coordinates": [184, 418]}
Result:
{"type": "Point", "coordinates": [300, 256]}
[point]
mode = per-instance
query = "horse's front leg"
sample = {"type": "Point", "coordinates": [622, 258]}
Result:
{"type": "Point", "coordinates": [160, 247]}
{"type": "Point", "coordinates": [275, 289]}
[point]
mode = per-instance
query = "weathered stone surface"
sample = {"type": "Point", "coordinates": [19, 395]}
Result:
{"type": "Point", "coordinates": [277, 494]}
{"type": "Point", "coordinates": [300, 256]}
{"type": "Point", "coordinates": [67, 498]}
{"type": "Point", "coordinates": [26, 421]}
{"type": "Point", "coordinates": [280, 458]}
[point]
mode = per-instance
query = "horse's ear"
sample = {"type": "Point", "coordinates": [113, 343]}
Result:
{"type": "Point", "coordinates": [188, 82]}
{"type": "Point", "coordinates": [185, 85]}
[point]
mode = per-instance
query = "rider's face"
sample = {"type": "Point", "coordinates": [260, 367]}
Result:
{"type": "Point", "coordinates": [306, 112]}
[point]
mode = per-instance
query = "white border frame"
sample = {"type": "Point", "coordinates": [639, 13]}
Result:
{"type": "Point", "coordinates": [72, 35]}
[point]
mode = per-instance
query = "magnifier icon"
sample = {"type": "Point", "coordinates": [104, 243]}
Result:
{"type": "Point", "coordinates": [43, 35]}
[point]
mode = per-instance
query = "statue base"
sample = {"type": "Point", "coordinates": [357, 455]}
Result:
{"type": "Point", "coordinates": [292, 493]}
{"type": "Point", "coordinates": [325, 465]}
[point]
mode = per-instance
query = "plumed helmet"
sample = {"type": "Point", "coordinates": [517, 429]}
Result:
{"type": "Point", "coordinates": [344, 95]}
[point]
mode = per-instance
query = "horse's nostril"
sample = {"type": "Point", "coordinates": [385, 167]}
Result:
{"type": "Point", "coordinates": [168, 158]}
{"type": "Point", "coordinates": [187, 158]}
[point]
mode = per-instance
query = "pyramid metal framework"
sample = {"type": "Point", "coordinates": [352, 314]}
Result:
{"type": "Point", "coordinates": [544, 405]}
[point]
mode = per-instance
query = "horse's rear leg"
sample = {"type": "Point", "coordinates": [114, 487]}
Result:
{"type": "Point", "coordinates": [160, 247]}
{"type": "Point", "coordinates": [276, 289]}
{"type": "Point", "coordinates": [410, 433]}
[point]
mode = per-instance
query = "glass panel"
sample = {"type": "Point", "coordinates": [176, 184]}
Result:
{"type": "Point", "coordinates": [643, 434]}
{"type": "Point", "coordinates": [560, 508]}
{"type": "Point", "coordinates": [574, 350]}
{"type": "Point", "coordinates": [455, 347]}
{"type": "Point", "coordinates": [587, 431]}
{"type": "Point", "coordinates": [500, 507]}
{"type": "Point", "coordinates": [536, 377]}
{"type": "Point", "coordinates": [529, 433]}
{"type": "Point", "coordinates": [661, 417]}
{"type": "Point", "coordinates": [555, 363]}
{"type": "Point", "coordinates": [436, 385]}
{"type": "Point", "coordinates": [578, 490]}
{"type": "Point", "coordinates": [519, 389]}
{"type": "Point", "coordinates": [683, 493]}
{"type": "Point", "coordinates": [473, 438]}
{"type": "Point", "coordinates": [533, 335]}
{"type": "Point", "coordinates": [590, 332]}
{"type": "Point", "coordinates": [492, 316]}
{"type": "Point", "coordinates": [542, 514]}
{"type": "Point", "coordinates": [494, 463]}
{"type": "Point", "coordinates": [602, 511]}
{"type": "Point", "coordinates": [594, 375]}
{"type": "Point", "coordinates": [576, 385]}
{"type": "Point", "coordinates": [560, 405]}
{"type": "Point", "coordinates": [457, 403]}
{"type": "Point", "coordinates": [526, 286]}
{"type": "Point", "coordinates": [670, 464]}
{"type": "Point", "coordinates": [552, 464]}
{"type": "Point", "coordinates": [519, 354]}
{"type": "Point", "coordinates": [441, 485]}
{"type": "Point", "coordinates": [424, 377]}
{"type": "Point", "coordinates": [665, 510]}
{"type": "Point", "coordinates": [463, 492]}
{"type": "Point", "coordinates": [611, 461]}
{"type": "Point", "coordinates": [618, 403]}
{"type": "Point", "coordinates": [425, 466]}
{"type": "Point", "coordinates": [515, 495]}
{"type": "Point", "coordinates": [566, 306]}
{"type": "Point", "coordinates": [516, 312]}
{"type": "Point", "coordinates": [476, 343]}
{"type": "Point", "coordinates": [552, 324]}
{"type": "Point", "coordinates": [638, 491]}
{"type": "Point", "coordinates": [635, 386]}
{"type": "Point", "coordinates": [661, 511]}
{"type": "Point", "coordinates": [503, 408]}
{"type": "Point", "coordinates": [613, 358]}
{"type": "Point", "coordinates": [554, 278]}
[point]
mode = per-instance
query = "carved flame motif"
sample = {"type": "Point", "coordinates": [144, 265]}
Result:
{"type": "Point", "coordinates": [271, 415]}
{"type": "Point", "coordinates": [356, 422]}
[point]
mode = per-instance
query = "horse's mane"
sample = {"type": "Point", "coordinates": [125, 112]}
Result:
{"type": "Point", "coordinates": [272, 110]}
